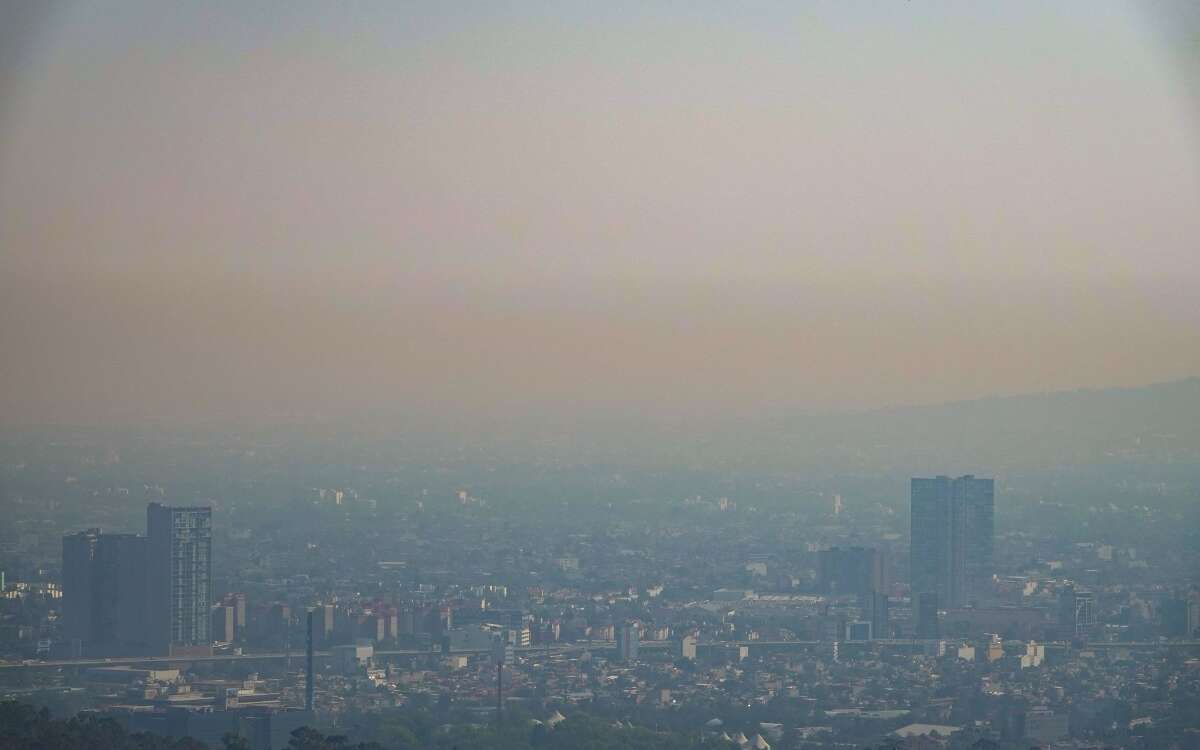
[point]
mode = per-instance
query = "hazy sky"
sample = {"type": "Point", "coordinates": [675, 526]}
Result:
{"type": "Point", "coordinates": [682, 206]}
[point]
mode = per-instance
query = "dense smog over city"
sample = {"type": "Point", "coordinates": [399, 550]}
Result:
{"type": "Point", "coordinates": [616, 376]}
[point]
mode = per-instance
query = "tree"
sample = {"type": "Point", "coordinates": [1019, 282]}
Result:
{"type": "Point", "coordinates": [307, 738]}
{"type": "Point", "coordinates": [231, 741]}
{"type": "Point", "coordinates": [22, 727]}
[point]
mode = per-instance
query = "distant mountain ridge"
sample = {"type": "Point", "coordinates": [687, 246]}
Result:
{"type": "Point", "coordinates": [1114, 429]}
{"type": "Point", "coordinates": [1151, 397]}
{"type": "Point", "coordinates": [1153, 424]}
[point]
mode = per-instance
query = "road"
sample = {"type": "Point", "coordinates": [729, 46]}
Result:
{"type": "Point", "coordinates": [267, 656]}
{"type": "Point", "coordinates": [557, 649]}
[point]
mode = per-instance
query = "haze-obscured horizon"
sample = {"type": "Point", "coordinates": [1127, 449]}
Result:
{"type": "Point", "coordinates": [557, 209]}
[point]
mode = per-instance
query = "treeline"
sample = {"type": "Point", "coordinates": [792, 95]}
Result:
{"type": "Point", "coordinates": [23, 727]}
{"type": "Point", "coordinates": [414, 730]}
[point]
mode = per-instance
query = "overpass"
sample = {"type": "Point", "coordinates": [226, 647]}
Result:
{"type": "Point", "coordinates": [150, 661]}
{"type": "Point", "coordinates": [559, 648]}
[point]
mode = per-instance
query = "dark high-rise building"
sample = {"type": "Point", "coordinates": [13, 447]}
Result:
{"type": "Point", "coordinates": [179, 576]}
{"type": "Point", "coordinates": [628, 641]}
{"type": "Point", "coordinates": [926, 611]}
{"type": "Point", "coordinates": [119, 587]}
{"type": "Point", "coordinates": [326, 621]}
{"type": "Point", "coordinates": [78, 550]}
{"type": "Point", "coordinates": [1193, 614]}
{"type": "Point", "coordinates": [876, 611]}
{"type": "Point", "coordinates": [272, 623]}
{"type": "Point", "coordinates": [104, 592]}
{"type": "Point", "coordinates": [952, 533]}
{"type": "Point", "coordinates": [850, 570]}
{"type": "Point", "coordinates": [1173, 616]}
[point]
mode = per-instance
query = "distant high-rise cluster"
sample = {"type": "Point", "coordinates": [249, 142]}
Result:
{"type": "Point", "coordinates": [953, 530]}
{"type": "Point", "coordinates": [129, 594]}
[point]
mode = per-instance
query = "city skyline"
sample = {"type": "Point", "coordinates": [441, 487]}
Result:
{"type": "Point", "coordinates": [548, 375]}
{"type": "Point", "coordinates": [132, 594]}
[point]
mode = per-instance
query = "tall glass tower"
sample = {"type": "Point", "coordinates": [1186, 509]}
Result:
{"type": "Point", "coordinates": [179, 576]}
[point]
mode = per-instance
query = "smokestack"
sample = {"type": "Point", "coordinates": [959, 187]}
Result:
{"type": "Point", "coordinates": [499, 652]}
{"type": "Point", "coordinates": [308, 681]}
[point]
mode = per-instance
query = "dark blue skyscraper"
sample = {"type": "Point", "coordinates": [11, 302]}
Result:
{"type": "Point", "coordinates": [952, 525]}
{"type": "Point", "coordinates": [104, 592]}
{"type": "Point", "coordinates": [119, 584]}
{"type": "Point", "coordinates": [850, 570]}
{"type": "Point", "coordinates": [78, 595]}
{"type": "Point", "coordinates": [876, 610]}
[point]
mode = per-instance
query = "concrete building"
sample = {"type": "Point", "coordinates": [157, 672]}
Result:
{"type": "Point", "coordinates": [926, 611]}
{"type": "Point", "coordinates": [687, 647]}
{"type": "Point", "coordinates": [273, 730]}
{"type": "Point", "coordinates": [324, 622]}
{"type": "Point", "coordinates": [628, 639]}
{"type": "Point", "coordinates": [1034, 655]}
{"type": "Point", "coordinates": [473, 638]}
{"type": "Point", "coordinates": [223, 624]}
{"type": "Point", "coordinates": [875, 609]}
{"type": "Point", "coordinates": [1076, 612]}
{"type": "Point", "coordinates": [859, 630]}
{"type": "Point", "coordinates": [995, 649]}
{"type": "Point", "coordinates": [351, 657]}
{"type": "Point", "coordinates": [1013, 622]}
{"type": "Point", "coordinates": [1193, 626]}
{"type": "Point", "coordinates": [521, 637]}
{"type": "Point", "coordinates": [1045, 726]}
{"type": "Point", "coordinates": [237, 601]}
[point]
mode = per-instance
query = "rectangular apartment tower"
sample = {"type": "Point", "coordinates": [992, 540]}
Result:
{"type": "Point", "coordinates": [952, 533]}
{"type": "Point", "coordinates": [78, 551]}
{"type": "Point", "coordinates": [178, 576]}
{"type": "Point", "coordinates": [104, 592]}
{"type": "Point", "coordinates": [119, 587]}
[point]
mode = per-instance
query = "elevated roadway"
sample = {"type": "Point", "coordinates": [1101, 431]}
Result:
{"type": "Point", "coordinates": [166, 661]}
